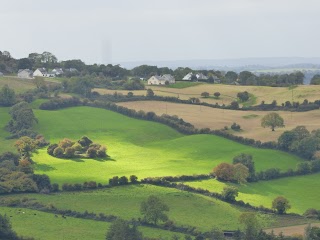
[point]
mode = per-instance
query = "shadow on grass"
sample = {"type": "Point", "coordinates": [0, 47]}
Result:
{"type": "Point", "coordinates": [43, 167]}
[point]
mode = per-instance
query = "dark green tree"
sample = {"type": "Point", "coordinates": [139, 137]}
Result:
{"type": "Point", "coordinates": [121, 230]}
{"type": "Point", "coordinates": [153, 210]}
{"type": "Point", "coordinates": [280, 204]}
{"type": "Point", "coordinates": [272, 120]}
{"type": "Point", "coordinates": [7, 96]}
{"type": "Point", "coordinates": [230, 193]}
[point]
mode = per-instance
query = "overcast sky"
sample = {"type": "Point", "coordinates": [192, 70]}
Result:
{"type": "Point", "coordinates": [113, 31]}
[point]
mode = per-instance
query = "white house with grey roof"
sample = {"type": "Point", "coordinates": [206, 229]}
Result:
{"type": "Point", "coordinates": [40, 72]}
{"type": "Point", "coordinates": [161, 80]}
{"type": "Point", "coordinates": [25, 73]}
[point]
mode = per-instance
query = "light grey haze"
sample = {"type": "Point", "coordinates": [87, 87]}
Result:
{"type": "Point", "coordinates": [114, 31]}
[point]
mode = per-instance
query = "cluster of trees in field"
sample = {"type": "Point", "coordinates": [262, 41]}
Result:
{"type": "Point", "coordinates": [315, 80]}
{"type": "Point", "coordinates": [83, 148]}
{"type": "Point", "coordinates": [16, 175]}
{"type": "Point", "coordinates": [300, 141]}
{"type": "Point", "coordinates": [22, 120]}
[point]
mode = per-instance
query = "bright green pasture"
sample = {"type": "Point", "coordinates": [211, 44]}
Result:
{"type": "Point", "coordinates": [125, 202]}
{"type": "Point", "coordinates": [142, 148]}
{"type": "Point", "coordinates": [301, 191]}
{"type": "Point", "coordinates": [46, 226]}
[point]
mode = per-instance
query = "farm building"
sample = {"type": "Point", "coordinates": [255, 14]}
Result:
{"type": "Point", "coordinates": [25, 73]}
{"type": "Point", "coordinates": [41, 72]}
{"type": "Point", "coordinates": [188, 77]}
{"type": "Point", "coordinates": [161, 80]}
{"type": "Point", "coordinates": [57, 71]}
{"type": "Point", "coordinates": [201, 76]}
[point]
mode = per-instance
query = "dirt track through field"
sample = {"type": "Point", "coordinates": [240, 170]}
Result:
{"type": "Point", "coordinates": [250, 121]}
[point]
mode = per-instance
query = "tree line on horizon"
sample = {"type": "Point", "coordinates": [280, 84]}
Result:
{"type": "Point", "coordinates": [10, 65]}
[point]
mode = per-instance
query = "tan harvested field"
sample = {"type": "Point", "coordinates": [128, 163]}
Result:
{"type": "Point", "coordinates": [229, 92]}
{"type": "Point", "coordinates": [206, 117]}
{"type": "Point", "coordinates": [292, 230]}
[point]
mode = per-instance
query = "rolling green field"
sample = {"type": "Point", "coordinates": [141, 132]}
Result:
{"type": "Point", "coordinates": [138, 147]}
{"type": "Point", "coordinates": [41, 225]}
{"type": "Point", "coordinates": [301, 191]}
{"type": "Point", "coordinates": [19, 85]}
{"type": "Point", "coordinates": [125, 202]}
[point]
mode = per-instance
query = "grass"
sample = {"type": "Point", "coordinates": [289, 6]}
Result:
{"type": "Point", "coordinates": [41, 225]}
{"type": "Point", "coordinates": [301, 191]}
{"type": "Point", "coordinates": [181, 84]}
{"type": "Point", "coordinates": [229, 92]}
{"type": "Point", "coordinates": [137, 147]}
{"type": "Point", "coordinates": [205, 117]}
{"type": "Point", "coordinates": [19, 85]}
{"type": "Point", "coordinates": [125, 202]}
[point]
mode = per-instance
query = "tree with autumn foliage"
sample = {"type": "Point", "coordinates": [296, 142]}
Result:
{"type": "Point", "coordinates": [224, 171]}
{"type": "Point", "coordinates": [25, 146]}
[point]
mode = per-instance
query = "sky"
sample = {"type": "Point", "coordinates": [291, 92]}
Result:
{"type": "Point", "coordinates": [115, 31]}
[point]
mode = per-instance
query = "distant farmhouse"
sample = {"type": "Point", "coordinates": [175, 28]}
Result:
{"type": "Point", "coordinates": [200, 76]}
{"type": "Point", "coordinates": [161, 80]}
{"type": "Point", "coordinates": [57, 71]}
{"type": "Point", "coordinates": [42, 72]}
{"type": "Point", "coordinates": [25, 73]}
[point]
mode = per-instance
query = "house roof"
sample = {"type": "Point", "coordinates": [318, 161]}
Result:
{"type": "Point", "coordinates": [42, 70]}
{"type": "Point", "coordinates": [26, 70]}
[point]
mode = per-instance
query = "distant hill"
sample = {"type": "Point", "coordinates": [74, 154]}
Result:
{"type": "Point", "coordinates": [234, 64]}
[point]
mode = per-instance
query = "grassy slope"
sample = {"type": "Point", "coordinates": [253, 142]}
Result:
{"type": "Point", "coordinates": [19, 85]}
{"type": "Point", "coordinates": [302, 192]}
{"type": "Point", "coordinates": [69, 228]}
{"type": "Point", "coordinates": [125, 202]}
{"type": "Point", "coordinates": [138, 147]}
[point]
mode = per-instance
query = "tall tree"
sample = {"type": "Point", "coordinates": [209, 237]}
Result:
{"type": "Point", "coordinates": [281, 204]}
{"type": "Point", "coordinates": [7, 96]}
{"type": "Point", "coordinates": [153, 209]}
{"type": "Point", "coordinates": [272, 120]}
{"type": "Point", "coordinates": [121, 230]}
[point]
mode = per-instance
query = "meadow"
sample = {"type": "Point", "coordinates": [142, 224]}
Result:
{"type": "Point", "coordinates": [214, 118]}
{"type": "Point", "coordinates": [301, 191]}
{"type": "Point", "coordinates": [125, 202]}
{"type": "Point", "coordinates": [137, 147]}
{"type": "Point", "coordinates": [19, 85]}
{"type": "Point", "coordinates": [41, 225]}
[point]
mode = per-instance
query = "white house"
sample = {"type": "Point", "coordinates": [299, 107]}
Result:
{"type": "Point", "coordinates": [201, 76]}
{"type": "Point", "coordinates": [40, 72]}
{"type": "Point", "coordinates": [57, 71]}
{"type": "Point", "coordinates": [188, 77]}
{"type": "Point", "coordinates": [161, 80]}
{"type": "Point", "coordinates": [25, 73]}
{"type": "Point", "coordinates": [169, 78]}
